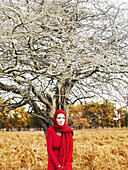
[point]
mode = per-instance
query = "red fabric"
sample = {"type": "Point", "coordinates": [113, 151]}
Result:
{"type": "Point", "coordinates": [60, 148]}
{"type": "Point", "coordinates": [65, 130]}
{"type": "Point", "coordinates": [59, 168]}
{"type": "Point", "coordinates": [53, 145]}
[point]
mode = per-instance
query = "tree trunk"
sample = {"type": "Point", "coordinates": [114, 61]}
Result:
{"type": "Point", "coordinates": [60, 101]}
{"type": "Point", "coordinates": [62, 96]}
{"type": "Point", "coordinates": [46, 121]}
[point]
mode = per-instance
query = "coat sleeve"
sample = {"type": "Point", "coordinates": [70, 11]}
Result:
{"type": "Point", "coordinates": [49, 140]}
{"type": "Point", "coordinates": [70, 159]}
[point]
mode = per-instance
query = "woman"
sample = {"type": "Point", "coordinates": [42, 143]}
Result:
{"type": "Point", "coordinates": [60, 143]}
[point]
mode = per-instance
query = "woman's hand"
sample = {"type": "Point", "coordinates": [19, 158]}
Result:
{"type": "Point", "coordinates": [59, 168]}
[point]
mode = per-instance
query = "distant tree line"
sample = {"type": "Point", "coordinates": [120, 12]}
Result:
{"type": "Point", "coordinates": [97, 114]}
{"type": "Point", "coordinates": [17, 119]}
{"type": "Point", "coordinates": [92, 114]}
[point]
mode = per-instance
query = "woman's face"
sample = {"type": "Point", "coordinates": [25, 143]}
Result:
{"type": "Point", "coordinates": [60, 119]}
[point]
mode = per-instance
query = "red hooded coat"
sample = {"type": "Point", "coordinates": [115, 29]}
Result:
{"type": "Point", "coordinates": [60, 148]}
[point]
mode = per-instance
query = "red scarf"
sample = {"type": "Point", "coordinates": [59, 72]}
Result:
{"type": "Point", "coordinates": [65, 130]}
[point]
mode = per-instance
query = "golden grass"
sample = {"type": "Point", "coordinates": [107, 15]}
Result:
{"type": "Point", "coordinates": [93, 150]}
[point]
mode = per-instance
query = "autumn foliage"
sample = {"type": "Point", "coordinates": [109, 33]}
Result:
{"type": "Point", "coordinates": [17, 119]}
{"type": "Point", "coordinates": [89, 115]}
{"type": "Point", "coordinates": [97, 114]}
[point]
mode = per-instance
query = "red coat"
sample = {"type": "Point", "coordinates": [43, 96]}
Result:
{"type": "Point", "coordinates": [53, 146]}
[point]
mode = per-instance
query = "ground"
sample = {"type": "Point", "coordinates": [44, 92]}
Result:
{"type": "Point", "coordinates": [94, 149]}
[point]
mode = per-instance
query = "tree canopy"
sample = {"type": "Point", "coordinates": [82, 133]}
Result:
{"type": "Point", "coordinates": [53, 53]}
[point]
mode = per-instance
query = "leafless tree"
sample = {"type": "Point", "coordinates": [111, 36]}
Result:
{"type": "Point", "coordinates": [53, 53]}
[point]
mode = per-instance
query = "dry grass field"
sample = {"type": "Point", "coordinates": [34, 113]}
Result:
{"type": "Point", "coordinates": [95, 149]}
